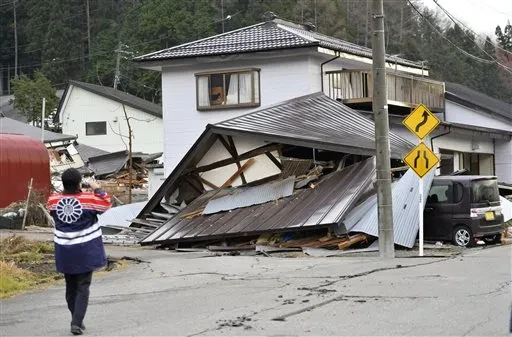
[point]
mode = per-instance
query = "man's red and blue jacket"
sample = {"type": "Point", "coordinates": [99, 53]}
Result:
{"type": "Point", "coordinates": [78, 243]}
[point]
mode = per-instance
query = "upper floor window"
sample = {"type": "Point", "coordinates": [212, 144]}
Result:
{"type": "Point", "coordinates": [95, 128]}
{"type": "Point", "coordinates": [229, 89]}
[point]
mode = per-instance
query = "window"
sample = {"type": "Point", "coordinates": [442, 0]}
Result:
{"type": "Point", "coordinates": [485, 191]}
{"type": "Point", "coordinates": [228, 89]}
{"type": "Point", "coordinates": [441, 193]}
{"type": "Point", "coordinates": [95, 128]}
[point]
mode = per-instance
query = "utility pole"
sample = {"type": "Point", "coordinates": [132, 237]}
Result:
{"type": "Point", "coordinates": [15, 41]}
{"type": "Point", "coordinates": [88, 29]}
{"type": "Point", "coordinates": [42, 119]}
{"type": "Point", "coordinates": [367, 24]}
{"type": "Point", "coordinates": [380, 110]}
{"type": "Point", "coordinates": [130, 158]}
{"type": "Point", "coordinates": [222, 13]}
{"type": "Point", "coordinates": [118, 60]}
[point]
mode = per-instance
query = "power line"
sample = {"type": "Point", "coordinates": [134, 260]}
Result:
{"type": "Point", "coordinates": [479, 59]}
{"type": "Point", "coordinates": [494, 9]}
{"type": "Point", "coordinates": [453, 18]}
{"type": "Point", "coordinates": [476, 43]}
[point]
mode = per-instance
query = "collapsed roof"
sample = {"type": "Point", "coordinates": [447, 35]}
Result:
{"type": "Point", "coordinates": [248, 152]}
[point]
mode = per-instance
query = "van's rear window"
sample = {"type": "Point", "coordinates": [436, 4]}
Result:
{"type": "Point", "coordinates": [485, 191]}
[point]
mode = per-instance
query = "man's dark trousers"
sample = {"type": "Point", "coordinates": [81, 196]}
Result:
{"type": "Point", "coordinates": [77, 295]}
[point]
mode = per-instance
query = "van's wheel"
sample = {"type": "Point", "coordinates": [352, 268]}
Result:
{"type": "Point", "coordinates": [463, 237]}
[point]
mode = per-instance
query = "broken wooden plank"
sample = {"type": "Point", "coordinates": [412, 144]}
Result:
{"type": "Point", "coordinates": [229, 161]}
{"type": "Point", "coordinates": [209, 184]}
{"type": "Point", "coordinates": [238, 173]}
{"type": "Point", "coordinates": [157, 221]}
{"type": "Point", "coordinates": [171, 209]}
{"type": "Point", "coordinates": [352, 241]}
{"type": "Point", "coordinates": [145, 223]}
{"type": "Point", "coordinates": [162, 215]}
{"type": "Point", "coordinates": [229, 248]}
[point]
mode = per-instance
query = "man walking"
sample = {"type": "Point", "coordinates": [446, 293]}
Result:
{"type": "Point", "coordinates": [78, 244]}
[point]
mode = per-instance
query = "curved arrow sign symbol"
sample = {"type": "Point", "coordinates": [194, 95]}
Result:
{"type": "Point", "coordinates": [423, 122]}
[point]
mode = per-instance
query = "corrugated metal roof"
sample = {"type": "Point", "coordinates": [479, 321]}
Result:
{"type": "Point", "coordinates": [86, 151]}
{"type": "Point", "coordinates": [120, 215]}
{"type": "Point", "coordinates": [243, 197]}
{"type": "Point", "coordinates": [108, 163]}
{"type": "Point", "coordinates": [406, 200]}
{"type": "Point", "coordinates": [11, 126]}
{"type": "Point", "coordinates": [322, 206]}
{"type": "Point", "coordinates": [271, 35]}
{"type": "Point", "coordinates": [315, 121]}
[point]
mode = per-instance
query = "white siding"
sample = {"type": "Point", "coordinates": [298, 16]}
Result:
{"type": "Point", "coordinates": [280, 79]}
{"type": "Point", "coordinates": [83, 106]}
{"type": "Point", "coordinates": [457, 113]}
{"type": "Point", "coordinates": [503, 160]}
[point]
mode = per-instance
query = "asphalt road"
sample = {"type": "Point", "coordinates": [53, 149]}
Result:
{"type": "Point", "coordinates": [194, 294]}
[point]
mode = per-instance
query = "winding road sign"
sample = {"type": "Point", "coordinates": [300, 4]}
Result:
{"type": "Point", "coordinates": [421, 121]}
{"type": "Point", "coordinates": [421, 159]}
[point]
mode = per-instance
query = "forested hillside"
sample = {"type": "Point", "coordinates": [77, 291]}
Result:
{"type": "Point", "coordinates": [81, 39]}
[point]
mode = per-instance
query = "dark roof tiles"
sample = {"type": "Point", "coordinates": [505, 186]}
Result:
{"type": "Point", "coordinates": [271, 35]}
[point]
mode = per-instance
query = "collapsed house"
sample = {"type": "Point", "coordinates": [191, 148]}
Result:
{"type": "Point", "coordinates": [295, 167]}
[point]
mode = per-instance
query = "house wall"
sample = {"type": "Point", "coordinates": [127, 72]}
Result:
{"type": "Point", "coordinates": [503, 160]}
{"type": "Point", "coordinates": [83, 106]}
{"type": "Point", "coordinates": [457, 113]}
{"type": "Point", "coordinates": [261, 167]}
{"type": "Point", "coordinates": [280, 79]}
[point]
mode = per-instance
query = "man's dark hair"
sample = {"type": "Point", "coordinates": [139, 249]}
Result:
{"type": "Point", "coordinates": [71, 179]}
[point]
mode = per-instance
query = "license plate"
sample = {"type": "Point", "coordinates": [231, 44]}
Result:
{"type": "Point", "coordinates": [489, 216]}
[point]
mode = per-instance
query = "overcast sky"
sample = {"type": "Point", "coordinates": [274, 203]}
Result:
{"type": "Point", "coordinates": [482, 16]}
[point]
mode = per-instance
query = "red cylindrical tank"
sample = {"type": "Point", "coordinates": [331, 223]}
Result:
{"type": "Point", "coordinates": [22, 158]}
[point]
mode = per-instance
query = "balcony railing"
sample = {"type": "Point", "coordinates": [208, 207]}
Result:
{"type": "Point", "coordinates": [356, 86]}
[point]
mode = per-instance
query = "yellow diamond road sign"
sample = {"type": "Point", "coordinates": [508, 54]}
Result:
{"type": "Point", "coordinates": [421, 159]}
{"type": "Point", "coordinates": [421, 121]}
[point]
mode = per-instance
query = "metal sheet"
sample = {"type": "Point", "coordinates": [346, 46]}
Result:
{"type": "Point", "coordinates": [506, 209]}
{"type": "Point", "coordinates": [120, 215]}
{"type": "Point", "coordinates": [405, 211]}
{"type": "Point", "coordinates": [243, 197]}
{"type": "Point", "coordinates": [315, 121]}
{"type": "Point", "coordinates": [321, 206]}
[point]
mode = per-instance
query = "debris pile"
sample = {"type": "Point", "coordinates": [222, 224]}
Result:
{"type": "Point", "coordinates": [12, 216]}
{"type": "Point", "coordinates": [302, 207]}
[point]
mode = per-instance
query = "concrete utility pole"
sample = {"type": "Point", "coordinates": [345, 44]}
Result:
{"type": "Point", "coordinates": [88, 29]}
{"type": "Point", "coordinates": [15, 41]}
{"type": "Point", "coordinates": [380, 110]}
{"type": "Point", "coordinates": [118, 60]}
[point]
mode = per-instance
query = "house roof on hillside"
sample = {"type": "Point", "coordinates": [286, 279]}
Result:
{"type": "Point", "coordinates": [8, 125]}
{"type": "Point", "coordinates": [475, 99]}
{"type": "Point", "coordinates": [271, 35]}
{"type": "Point", "coordinates": [115, 95]}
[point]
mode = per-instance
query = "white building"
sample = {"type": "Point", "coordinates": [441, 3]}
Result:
{"type": "Point", "coordinates": [227, 75]}
{"type": "Point", "coordinates": [95, 115]}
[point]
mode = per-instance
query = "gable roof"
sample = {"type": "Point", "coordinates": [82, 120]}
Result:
{"type": "Point", "coordinates": [315, 120]}
{"type": "Point", "coordinates": [474, 99]}
{"type": "Point", "coordinates": [8, 125]}
{"type": "Point", "coordinates": [115, 95]}
{"type": "Point", "coordinates": [271, 35]}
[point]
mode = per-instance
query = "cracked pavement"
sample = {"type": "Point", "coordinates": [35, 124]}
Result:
{"type": "Point", "coordinates": [193, 294]}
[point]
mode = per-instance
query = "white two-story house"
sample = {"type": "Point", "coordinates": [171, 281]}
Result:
{"type": "Point", "coordinates": [227, 75]}
{"type": "Point", "coordinates": [95, 115]}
